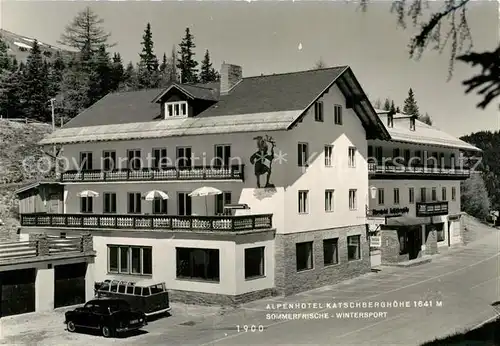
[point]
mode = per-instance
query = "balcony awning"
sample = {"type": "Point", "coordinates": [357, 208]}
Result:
{"type": "Point", "coordinates": [407, 220]}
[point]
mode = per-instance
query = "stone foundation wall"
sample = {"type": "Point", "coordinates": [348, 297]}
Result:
{"type": "Point", "coordinates": [390, 248]}
{"type": "Point", "coordinates": [201, 298]}
{"type": "Point", "coordinates": [431, 247]}
{"type": "Point", "coordinates": [288, 281]}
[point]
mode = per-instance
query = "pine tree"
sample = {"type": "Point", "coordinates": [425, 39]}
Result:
{"type": "Point", "coordinates": [5, 61]}
{"type": "Point", "coordinates": [186, 63]}
{"type": "Point", "coordinates": [85, 33]}
{"type": "Point", "coordinates": [129, 81]}
{"type": "Point", "coordinates": [56, 70]}
{"type": "Point", "coordinates": [117, 72]}
{"type": "Point", "coordinates": [173, 65]}
{"type": "Point", "coordinates": [410, 104]}
{"type": "Point", "coordinates": [320, 64]}
{"type": "Point", "coordinates": [11, 93]}
{"type": "Point", "coordinates": [474, 196]}
{"type": "Point", "coordinates": [148, 71]}
{"type": "Point", "coordinates": [398, 110]}
{"type": "Point", "coordinates": [35, 86]}
{"type": "Point", "coordinates": [426, 119]}
{"type": "Point", "coordinates": [387, 104]}
{"type": "Point", "coordinates": [164, 63]}
{"type": "Point", "coordinates": [207, 72]}
{"type": "Point", "coordinates": [101, 75]}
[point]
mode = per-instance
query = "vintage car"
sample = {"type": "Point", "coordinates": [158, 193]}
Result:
{"type": "Point", "coordinates": [147, 296]}
{"type": "Point", "coordinates": [109, 315]}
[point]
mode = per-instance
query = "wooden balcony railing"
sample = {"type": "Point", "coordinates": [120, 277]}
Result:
{"type": "Point", "coordinates": [418, 170]}
{"type": "Point", "coordinates": [431, 208]}
{"type": "Point", "coordinates": [234, 172]}
{"type": "Point", "coordinates": [42, 245]}
{"type": "Point", "coordinates": [167, 222]}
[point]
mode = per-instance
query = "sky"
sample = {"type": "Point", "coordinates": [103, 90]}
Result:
{"type": "Point", "coordinates": [264, 38]}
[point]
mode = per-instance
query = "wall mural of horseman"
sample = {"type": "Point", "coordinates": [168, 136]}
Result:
{"type": "Point", "coordinates": [262, 159]}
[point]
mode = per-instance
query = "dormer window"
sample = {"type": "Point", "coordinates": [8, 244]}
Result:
{"type": "Point", "coordinates": [390, 120]}
{"type": "Point", "coordinates": [176, 109]}
{"type": "Point", "coordinates": [412, 124]}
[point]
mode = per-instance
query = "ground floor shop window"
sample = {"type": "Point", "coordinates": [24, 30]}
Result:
{"type": "Point", "coordinates": [330, 251]}
{"type": "Point", "coordinates": [134, 260]}
{"type": "Point", "coordinates": [254, 262]}
{"type": "Point", "coordinates": [353, 247]}
{"type": "Point", "coordinates": [304, 253]}
{"type": "Point", "coordinates": [198, 264]}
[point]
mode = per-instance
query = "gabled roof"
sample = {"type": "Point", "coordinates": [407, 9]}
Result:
{"type": "Point", "coordinates": [272, 102]}
{"type": "Point", "coordinates": [192, 91]}
{"type": "Point", "coordinates": [424, 134]}
{"type": "Point", "coordinates": [34, 186]}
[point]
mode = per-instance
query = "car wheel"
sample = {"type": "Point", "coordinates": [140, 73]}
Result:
{"type": "Point", "coordinates": [70, 326]}
{"type": "Point", "coordinates": [106, 331]}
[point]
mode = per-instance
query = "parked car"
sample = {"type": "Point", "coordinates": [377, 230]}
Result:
{"type": "Point", "coordinates": [148, 296]}
{"type": "Point", "coordinates": [109, 315]}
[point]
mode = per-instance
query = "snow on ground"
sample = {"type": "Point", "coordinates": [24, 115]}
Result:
{"type": "Point", "coordinates": [28, 39]}
{"type": "Point", "coordinates": [22, 45]}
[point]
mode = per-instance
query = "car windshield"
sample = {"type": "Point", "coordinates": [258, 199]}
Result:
{"type": "Point", "coordinates": [118, 306]}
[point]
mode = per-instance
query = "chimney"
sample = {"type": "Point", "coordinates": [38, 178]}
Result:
{"type": "Point", "coordinates": [230, 75]}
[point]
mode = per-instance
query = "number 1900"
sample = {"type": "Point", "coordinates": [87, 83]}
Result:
{"type": "Point", "coordinates": [249, 328]}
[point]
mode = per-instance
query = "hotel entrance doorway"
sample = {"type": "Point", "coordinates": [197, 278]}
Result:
{"type": "Point", "coordinates": [410, 239]}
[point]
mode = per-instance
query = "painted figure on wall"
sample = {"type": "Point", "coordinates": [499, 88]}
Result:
{"type": "Point", "coordinates": [262, 159]}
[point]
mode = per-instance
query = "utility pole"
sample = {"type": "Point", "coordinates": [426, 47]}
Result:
{"type": "Point", "coordinates": [53, 130]}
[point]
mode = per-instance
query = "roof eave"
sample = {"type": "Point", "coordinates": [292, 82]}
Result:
{"type": "Point", "coordinates": [174, 85]}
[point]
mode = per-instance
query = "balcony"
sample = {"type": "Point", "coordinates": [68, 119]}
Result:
{"type": "Point", "coordinates": [150, 222]}
{"type": "Point", "coordinates": [388, 171]}
{"type": "Point", "coordinates": [234, 172]}
{"type": "Point", "coordinates": [40, 245]}
{"type": "Point", "coordinates": [431, 208]}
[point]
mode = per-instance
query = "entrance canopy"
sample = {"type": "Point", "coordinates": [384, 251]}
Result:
{"type": "Point", "coordinates": [407, 220]}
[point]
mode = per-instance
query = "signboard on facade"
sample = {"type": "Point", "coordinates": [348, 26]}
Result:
{"type": "Point", "coordinates": [390, 211]}
{"type": "Point", "coordinates": [375, 241]}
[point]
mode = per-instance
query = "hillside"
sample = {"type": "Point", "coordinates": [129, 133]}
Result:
{"type": "Point", "coordinates": [19, 46]}
{"type": "Point", "coordinates": [19, 154]}
{"type": "Point", "coordinates": [489, 142]}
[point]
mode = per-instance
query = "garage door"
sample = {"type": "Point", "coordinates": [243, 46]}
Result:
{"type": "Point", "coordinates": [18, 291]}
{"type": "Point", "coordinates": [69, 285]}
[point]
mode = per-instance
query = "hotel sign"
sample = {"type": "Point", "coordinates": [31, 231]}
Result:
{"type": "Point", "coordinates": [390, 211]}
{"type": "Point", "coordinates": [375, 241]}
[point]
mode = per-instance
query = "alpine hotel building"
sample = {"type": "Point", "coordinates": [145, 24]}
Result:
{"type": "Point", "coordinates": [287, 155]}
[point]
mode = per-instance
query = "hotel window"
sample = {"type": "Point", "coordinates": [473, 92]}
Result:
{"type": "Point", "coordinates": [254, 262]}
{"type": "Point", "coordinates": [135, 260]}
{"type": "Point", "coordinates": [434, 194]}
{"type": "Point", "coordinates": [86, 161]}
{"type": "Point", "coordinates": [304, 255]}
{"type": "Point", "coordinates": [337, 114]}
{"type": "Point", "coordinates": [134, 159]}
{"type": "Point", "coordinates": [160, 159]}
{"type": "Point", "coordinates": [381, 197]}
{"type": "Point", "coordinates": [407, 156]}
{"type": "Point", "coordinates": [176, 109]}
{"type": "Point", "coordinates": [379, 155]}
{"type": "Point", "coordinates": [86, 205]}
{"type": "Point", "coordinates": [109, 202]}
{"type": "Point", "coordinates": [302, 154]}
{"type": "Point", "coordinates": [443, 193]}
{"type": "Point", "coordinates": [423, 194]}
{"type": "Point", "coordinates": [318, 111]}
{"type": "Point", "coordinates": [418, 157]}
{"type": "Point", "coordinates": [330, 251]}
{"type": "Point", "coordinates": [198, 264]}
{"type": "Point", "coordinates": [160, 206]}
{"type": "Point", "coordinates": [222, 155]}
{"type": "Point", "coordinates": [396, 152]}
{"type": "Point", "coordinates": [328, 200]}
{"type": "Point", "coordinates": [222, 200]}
{"type": "Point", "coordinates": [328, 155]}
{"type": "Point", "coordinates": [396, 196]}
{"type": "Point", "coordinates": [109, 160]}
{"type": "Point", "coordinates": [353, 247]}
{"type": "Point", "coordinates": [453, 193]}
{"type": "Point", "coordinates": [184, 203]}
{"type": "Point", "coordinates": [411, 195]}
{"type": "Point", "coordinates": [353, 203]}
{"type": "Point", "coordinates": [184, 155]}
{"type": "Point", "coordinates": [352, 157]}
{"type": "Point", "coordinates": [134, 203]}
{"type": "Point", "coordinates": [303, 202]}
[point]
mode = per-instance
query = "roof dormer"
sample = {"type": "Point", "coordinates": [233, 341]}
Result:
{"type": "Point", "coordinates": [175, 109]}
